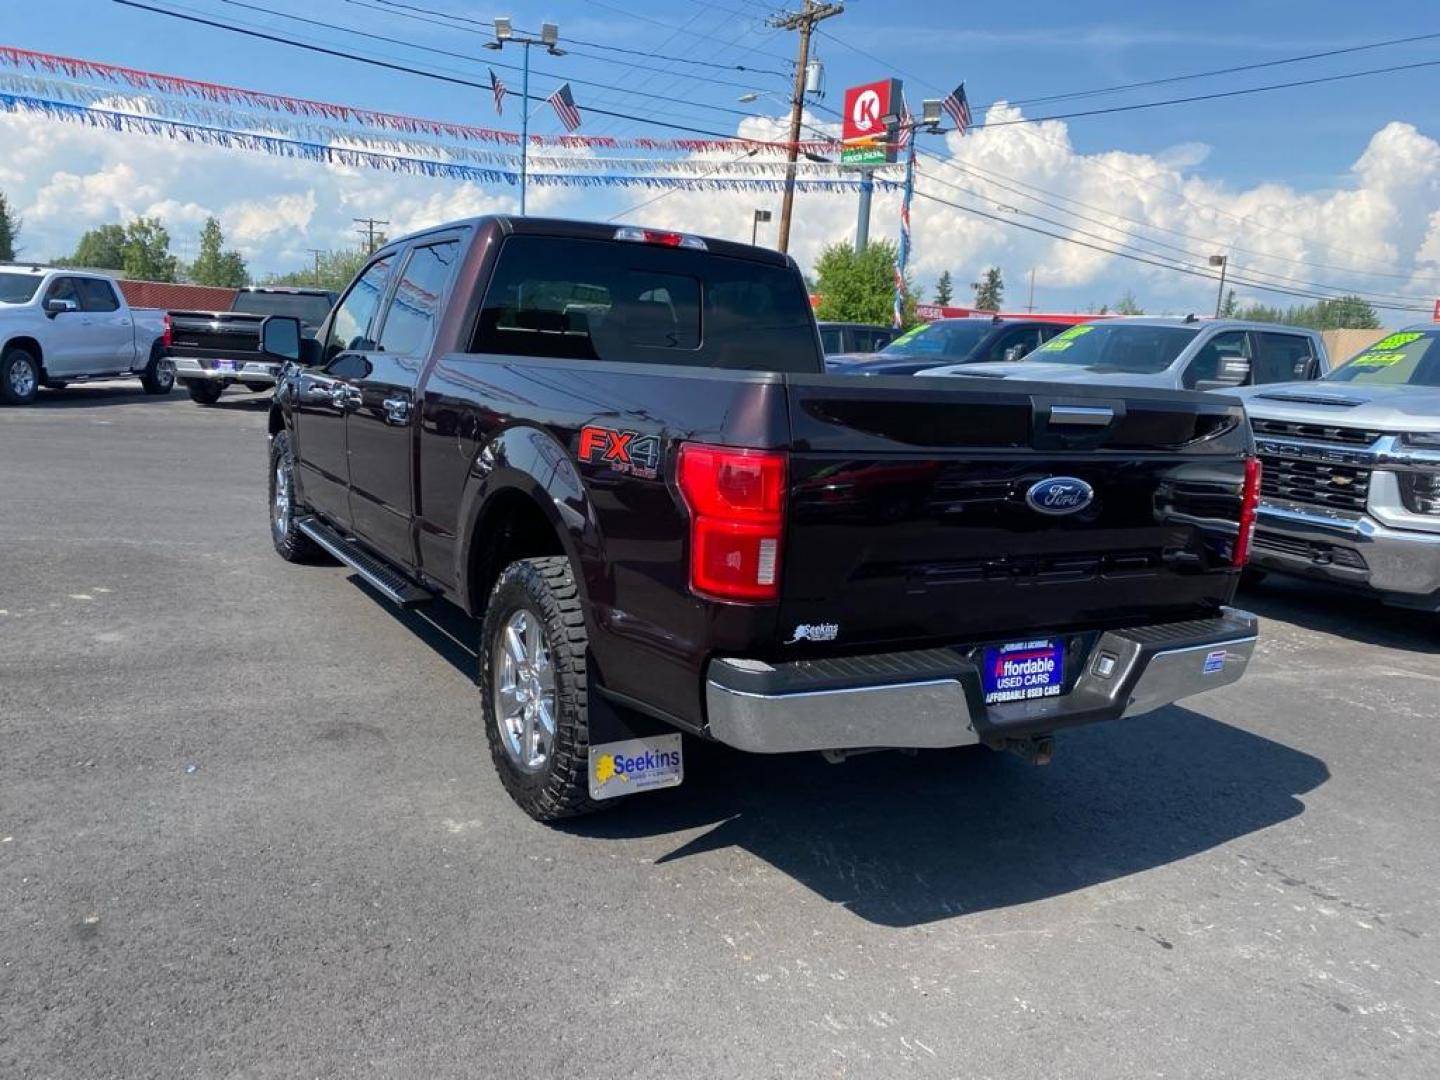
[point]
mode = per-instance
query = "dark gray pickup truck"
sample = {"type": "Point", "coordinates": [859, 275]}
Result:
{"type": "Point", "coordinates": [214, 349]}
{"type": "Point", "coordinates": [618, 447]}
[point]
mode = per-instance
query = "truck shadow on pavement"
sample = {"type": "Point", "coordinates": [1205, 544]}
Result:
{"type": "Point", "coordinates": [1330, 610]}
{"type": "Point", "coordinates": [84, 396]}
{"type": "Point", "coordinates": [903, 841]}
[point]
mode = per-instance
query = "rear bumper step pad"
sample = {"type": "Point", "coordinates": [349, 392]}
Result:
{"type": "Point", "coordinates": [933, 697]}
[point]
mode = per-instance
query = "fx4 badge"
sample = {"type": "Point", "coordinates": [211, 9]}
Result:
{"type": "Point", "coordinates": [624, 451]}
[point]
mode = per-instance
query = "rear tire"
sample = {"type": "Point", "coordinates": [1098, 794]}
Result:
{"type": "Point", "coordinates": [290, 543]}
{"type": "Point", "coordinates": [204, 393]}
{"type": "Point", "coordinates": [533, 694]}
{"type": "Point", "coordinates": [19, 377]}
{"type": "Point", "coordinates": [159, 375]}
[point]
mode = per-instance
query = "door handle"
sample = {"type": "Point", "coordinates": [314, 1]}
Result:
{"type": "Point", "coordinates": [343, 397]}
{"type": "Point", "coordinates": [314, 393]}
{"type": "Point", "coordinates": [397, 411]}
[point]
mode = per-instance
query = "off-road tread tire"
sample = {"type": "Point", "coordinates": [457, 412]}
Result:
{"type": "Point", "coordinates": [202, 392]}
{"type": "Point", "coordinates": [8, 396]}
{"type": "Point", "coordinates": [150, 379]}
{"type": "Point", "coordinates": [548, 588]}
{"type": "Point", "coordinates": [296, 547]}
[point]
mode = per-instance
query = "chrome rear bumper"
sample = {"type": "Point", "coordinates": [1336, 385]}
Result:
{"type": "Point", "coordinates": [933, 698]}
{"type": "Point", "coordinates": [251, 371]}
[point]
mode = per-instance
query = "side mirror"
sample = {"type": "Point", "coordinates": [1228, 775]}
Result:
{"type": "Point", "coordinates": [280, 337]}
{"type": "Point", "coordinates": [58, 305]}
{"type": "Point", "coordinates": [1234, 371]}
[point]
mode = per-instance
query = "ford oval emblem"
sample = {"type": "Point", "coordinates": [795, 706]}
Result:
{"type": "Point", "coordinates": [1060, 495]}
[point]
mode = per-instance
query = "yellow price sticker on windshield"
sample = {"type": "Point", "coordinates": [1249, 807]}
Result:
{"type": "Point", "coordinates": [1378, 359]}
{"type": "Point", "coordinates": [1061, 342]}
{"type": "Point", "coordinates": [908, 334]}
{"type": "Point", "coordinates": [1395, 341]}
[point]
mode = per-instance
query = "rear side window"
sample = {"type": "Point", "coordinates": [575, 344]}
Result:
{"type": "Point", "coordinates": [831, 339]}
{"type": "Point", "coordinates": [1282, 358]}
{"type": "Point", "coordinates": [350, 328]}
{"type": "Point", "coordinates": [411, 319]}
{"type": "Point", "coordinates": [96, 295]}
{"type": "Point", "coordinates": [607, 300]}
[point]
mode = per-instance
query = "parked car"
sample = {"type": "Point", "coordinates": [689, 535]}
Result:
{"type": "Point", "coordinates": [846, 337]}
{"type": "Point", "coordinates": [1351, 491]}
{"type": "Point", "coordinates": [215, 349]}
{"type": "Point", "coordinates": [64, 326]}
{"type": "Point", "coordinates": [949, 341]}
{"type": "Point", "coordinates": [1178, 354]}
{"type": "Point", "coordinates": [619, 449]}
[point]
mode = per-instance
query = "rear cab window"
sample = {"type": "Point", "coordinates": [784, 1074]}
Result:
{"type": "Point", "coordinates": [559, 298]}
{"type": "Point", "coordinates": [1282, 357]}
{"type": "Point", "coordinates": [97, 295]}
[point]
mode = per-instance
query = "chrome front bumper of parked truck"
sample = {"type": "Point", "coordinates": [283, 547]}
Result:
{"type": "Point", "coordinates": [189, 369]}
{"type": "Point", "coordinates": [932, 698]}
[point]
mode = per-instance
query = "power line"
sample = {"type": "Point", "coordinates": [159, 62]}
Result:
{"type": "Point", "coordinates": [1224, 71]}
{"type": "Point", "coordinates": [1213, 96]}
{"type": "Point", "coordinates": [682, 30]}
{"type": "Point", "coordinates": [1263, 275]}
{"type": "Point", "coordinates": [471, 59]}
{"type": "Point", "coordinates": [394, 7]}
{"type": "Point", "coordinates": [1192, 271]}
{"type": "Point", "coordinates": [424, 73]}
{"type": "Point", "coordinates": [987, 176]}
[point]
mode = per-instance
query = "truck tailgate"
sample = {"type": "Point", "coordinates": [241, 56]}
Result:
{"type": "Point", "coordinates": [909, 521]}
{"type": "Point", "coordinates": [204, 333]}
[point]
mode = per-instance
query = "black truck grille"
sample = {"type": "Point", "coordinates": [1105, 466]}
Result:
{"type": "Point", "coordinates": [1327, 433]}
{"type": "Point", "coordinates": [1314, 483]}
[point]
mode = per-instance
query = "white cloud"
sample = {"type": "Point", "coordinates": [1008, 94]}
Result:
{"type": "Point", "coordinates": [1384, 216]}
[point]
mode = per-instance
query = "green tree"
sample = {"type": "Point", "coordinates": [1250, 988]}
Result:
{"type": "Point", "coordinates": [215, 266]}
{"type": "Point", "coordinates": [1228, 311]}
{"type": "Point", "coordinates": [9, 231]}
{"type": "Point", "coordinates": [860, 287]}
{"type": "Point", "coordinates": [1341, 313]}
{"type": "Point", "coordinates": [944, 289]}
{"type": "Point", "coordinates": [147, 251]}
{"type": "Point", "coordinates": [1128, 305]}
{"type": "Point", "coordinates": [331, 270]}
{"type": "Point", "coordinates": [100, 249]}
{"type": "Point", "coordinates": [989, 290]}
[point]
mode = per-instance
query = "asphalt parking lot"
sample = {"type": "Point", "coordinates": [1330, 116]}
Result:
{"type": "Point", "coordinates": [249, 827]}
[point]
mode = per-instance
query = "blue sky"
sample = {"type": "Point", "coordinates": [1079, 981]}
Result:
{"type": "Point", "coordinates": [1306, 141]}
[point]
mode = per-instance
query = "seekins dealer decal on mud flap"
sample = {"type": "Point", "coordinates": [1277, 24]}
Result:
{"type": "Point", "coordinates": [634, 765]}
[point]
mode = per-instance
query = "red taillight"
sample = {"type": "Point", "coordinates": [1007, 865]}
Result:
{"type": "Point", "coordinates": [737, 520]}
{"type": "Point", "coordinates": [1249, 502]}
{"type": "Point", "coordinates": [659, 236]}
{"type": "Point", "coordinates": [167, 335]}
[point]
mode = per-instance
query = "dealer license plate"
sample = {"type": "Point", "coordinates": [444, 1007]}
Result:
{"type": "Point", "coordinates": [1023, 670]}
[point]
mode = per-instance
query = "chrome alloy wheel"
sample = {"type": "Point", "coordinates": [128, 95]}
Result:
{"type": "Point", "coordinates": [22, 377]}
{"type": "Point", "coordinates": [282, 508]}
{"type": "Point", "coordinates": [165, 373]}
{"type": "Point", "coordinates": [524, 687]}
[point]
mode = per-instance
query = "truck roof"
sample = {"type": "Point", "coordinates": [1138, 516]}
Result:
{"type": "Point", "coordinates": [594, 230]}
{"type": "Point", "coordinates": [1204, 323]}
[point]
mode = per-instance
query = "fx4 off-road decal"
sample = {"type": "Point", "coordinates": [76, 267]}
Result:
{"type": "Point", "coordinates": [624, 451]}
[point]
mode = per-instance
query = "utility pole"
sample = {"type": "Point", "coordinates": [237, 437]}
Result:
{"type": "Point", "coordinates": [1030, 307]}
{"type": "Point", "coordinates": [368, 230]}
{"type": "Point", "coordinates": [317, 252]}
{"type": "Point", "coordinates": [1223, 262]}
{"type": "Point", "coordinates": [804, 21]}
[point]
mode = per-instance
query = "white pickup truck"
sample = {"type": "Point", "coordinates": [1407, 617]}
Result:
{"type": "Point", "coordinates": [64, 326]}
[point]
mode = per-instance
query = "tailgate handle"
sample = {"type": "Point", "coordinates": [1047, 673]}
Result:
{"type": "Point", "coordinates": [1082, 415]}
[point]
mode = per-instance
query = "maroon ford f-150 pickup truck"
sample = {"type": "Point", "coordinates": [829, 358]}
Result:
{"type": "Point", "coordinates": [618, 448]}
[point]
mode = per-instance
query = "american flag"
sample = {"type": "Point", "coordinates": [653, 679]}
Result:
{"type": "Point", "coordinates": [907, 131]}
{"type": "Point", "coordinates": [902, 254]}
{"type": "Point", "coordinates": [564, 102]}
{"type": "Point", "coordinates": [498, 89]}
{"type": "Point", "coordinates": [958, 106]}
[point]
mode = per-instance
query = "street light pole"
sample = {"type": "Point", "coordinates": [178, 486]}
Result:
{"type": "Point", "coordinates": [549, 35]}
{"type": "Point", "coordinates": [1223, 262]}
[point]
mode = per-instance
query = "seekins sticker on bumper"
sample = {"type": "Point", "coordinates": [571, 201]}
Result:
{"type": "Point", "coordinates": [634, 765]}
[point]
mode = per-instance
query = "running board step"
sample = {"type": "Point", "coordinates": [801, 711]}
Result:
{"type": "Point", "coordinates": [380, 576]}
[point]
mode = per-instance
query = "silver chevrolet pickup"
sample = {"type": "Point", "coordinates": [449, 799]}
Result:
{"type": "Point", "coordinates": [1350, 491]}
